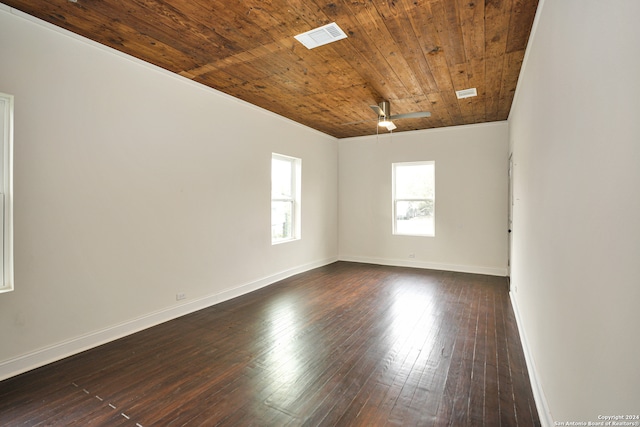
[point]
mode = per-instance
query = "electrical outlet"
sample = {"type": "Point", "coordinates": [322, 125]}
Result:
{"type": "Point", "coordinates": [180, 296]}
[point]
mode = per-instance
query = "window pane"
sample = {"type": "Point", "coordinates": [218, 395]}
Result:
{"type": "Point", "coordinates": [415, 217]}
{"type": "Point", "coordinates": [6, 198]}
{"type": "Point", "coordinates": [281, 224]}
{"type": "Point", "coordinates": [281, 178]}
{"type": "Point", "coordinates": [414, 181]}
{"type": "Point", "coordinates": [285, 198]}
{"type": "Point", "coordinates": [414, 198]}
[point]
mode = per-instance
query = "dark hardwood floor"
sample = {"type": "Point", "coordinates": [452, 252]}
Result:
{"type": "Point", "coordinates": [347, 344]}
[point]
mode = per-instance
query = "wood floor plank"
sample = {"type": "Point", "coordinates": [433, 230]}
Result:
{"type": "Point", "coordinates": [491, 398]}
{"type": "Point", "coordinates": [345, 344]}
{"type": "Point", "coordinates": [476, 403]}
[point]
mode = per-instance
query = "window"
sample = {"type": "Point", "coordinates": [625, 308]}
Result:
{"type": "Point", "coordinates": [414, 198]}
{"type": "Point", "coordinates": [6, 192]}
{"type": "Point", "coordinates": [285, 198]}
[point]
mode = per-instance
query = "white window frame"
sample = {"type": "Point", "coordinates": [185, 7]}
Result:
{"type": "Point", "coordinates": [395, 200]}
{"type": "Point", "coordinates": [294, 199]}
{"type": "Point", "coordinates": [6, 192]}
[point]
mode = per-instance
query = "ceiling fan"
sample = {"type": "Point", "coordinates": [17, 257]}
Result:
{"type": "Point", "coordinates": [383, 110]}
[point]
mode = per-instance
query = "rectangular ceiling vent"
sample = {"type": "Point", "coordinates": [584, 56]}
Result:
{"type": "Point", "coordinates": [320, 36]}
{"type": "Point", "coordinates": [466, 93]}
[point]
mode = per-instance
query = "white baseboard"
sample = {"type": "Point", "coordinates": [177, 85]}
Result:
{"type": "Point", "coordinates": [546, 420]}
{"type": "Point", "coordinates": [490, 271]}
{"type": "Point", "coordinates": [58, 351]}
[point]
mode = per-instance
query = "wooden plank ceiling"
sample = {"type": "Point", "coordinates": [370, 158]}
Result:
{"type": "Point", "coordinates": [414, 53]}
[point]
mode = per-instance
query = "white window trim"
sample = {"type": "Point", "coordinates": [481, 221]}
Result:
{"type": "Point", "coordinates": [6, 196]}
{"type": "Point", "coordinates": [296, 200]}
{"type": "Point", "coordinates": [394, 201]}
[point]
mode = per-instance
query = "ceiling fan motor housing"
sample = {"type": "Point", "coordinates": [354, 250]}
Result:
{"type": "Point", "coordinates": [385, 109]}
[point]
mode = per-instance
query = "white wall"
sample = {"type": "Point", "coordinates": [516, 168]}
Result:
{"type": "Point", "coordinates": [471, 198]}
{"type": "Point", "coordinates": [575, 136]}
{"type": "Point", "coordinates": [132, 184]}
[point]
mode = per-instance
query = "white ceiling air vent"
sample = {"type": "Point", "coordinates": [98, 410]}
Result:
{"type": "Point", "coordinates": [321, 36]}
{"type": "Point", "coordinates": [466, 93]}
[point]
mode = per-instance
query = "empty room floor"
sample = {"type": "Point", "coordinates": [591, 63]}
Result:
{"type": "Point", "coordinates": [346, 344]}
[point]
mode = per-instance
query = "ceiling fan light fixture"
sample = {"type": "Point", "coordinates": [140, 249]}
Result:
{"type": "Point", "coordinates": [383, 122]}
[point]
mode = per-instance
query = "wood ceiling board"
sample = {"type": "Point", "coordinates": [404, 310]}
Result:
{"type": "Point", "coordinates": [447, 24]}
{"type": "Point", "coordinates": [472, 27]}
{"type": "Point", "coordinates": [497, 14]}
{"type": "Point", "coordinates": [361, 43]}
{"type": "Point", "coordinates": [401, 29]}
{"type": "Point", "coordinates": [520, 24]}
{"type": "Point", "coordinates": [386, 51]}
{"type": "Point", "coordinates": [459, 79]}
{"type": "Point", "coordinates": [415, 53]}
{"type": "Point", "coordinates": [513, 63]}
{"type": "Point", "coordinates": [427, 20]}
{"type": "Point", "coordinates": [232, 22]}
{"type": "Point", "coordinates": [494, 68]}
{"type": "Point", "coordinates": [439, 113]}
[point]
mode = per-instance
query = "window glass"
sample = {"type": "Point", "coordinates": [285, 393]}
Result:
{"type": "Point", "coordinates": [281, 172]}
{"type": "Point", "coordinates": [414, 198]}
{"type": "Point", "coordinates": [285, 198]}
{"type": "Point", "coordinates": [6, 193]}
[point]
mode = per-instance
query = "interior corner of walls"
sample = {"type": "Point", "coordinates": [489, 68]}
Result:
{"type": "Point", "coordinates": [540, 399]}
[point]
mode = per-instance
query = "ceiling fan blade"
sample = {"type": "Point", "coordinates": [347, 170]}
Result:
{"type": "Point", "coordinates": [382, 110]}
{"type": "Point", "coordinates": [376, 109]}
{"type": "Point", "coordinates": [415, 115]}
